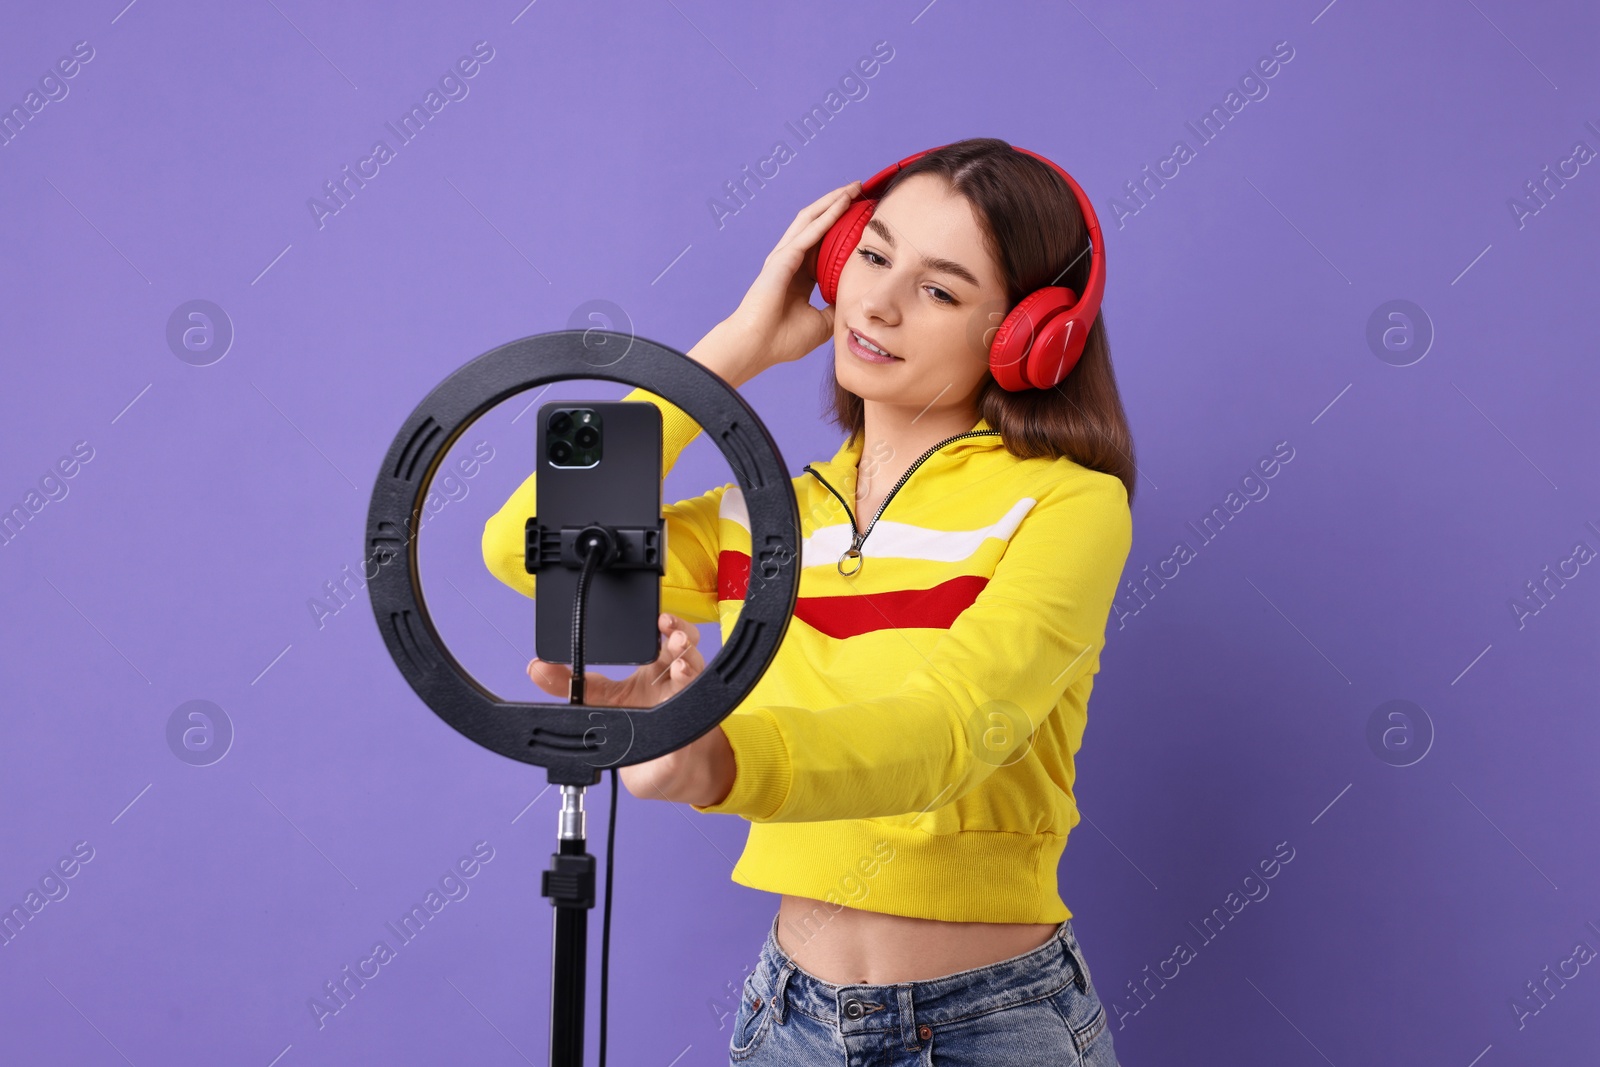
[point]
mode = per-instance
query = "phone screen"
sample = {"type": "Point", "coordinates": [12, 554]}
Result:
{"type": "Point", "coordinates": [599, 462]}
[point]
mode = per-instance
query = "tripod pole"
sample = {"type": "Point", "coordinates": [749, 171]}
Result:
{"type": "Point", "coordinates": [569, 883]}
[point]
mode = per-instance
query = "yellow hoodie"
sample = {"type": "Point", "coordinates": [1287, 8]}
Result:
{"type": "Point", "coordinates": [910, 750]}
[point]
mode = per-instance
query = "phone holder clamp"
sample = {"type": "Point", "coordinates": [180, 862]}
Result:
{"type": "Point", "coordinates": [623, 547]}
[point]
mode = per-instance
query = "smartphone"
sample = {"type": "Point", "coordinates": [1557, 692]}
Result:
{"type": "Point", "coordinates": [599, 462]}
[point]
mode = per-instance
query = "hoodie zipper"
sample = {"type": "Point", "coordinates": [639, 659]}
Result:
{"type": "Point", "coordinates": [859, 538]}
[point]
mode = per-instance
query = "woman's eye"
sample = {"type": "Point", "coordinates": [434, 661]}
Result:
{"type": "Point", "coordinates": [872, 257]}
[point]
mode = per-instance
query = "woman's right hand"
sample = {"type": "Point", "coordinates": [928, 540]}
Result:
{"type": "Point", "coordinates": [677, 664]}
{"type": "Point", "coordinates": [700, 772]}
{"type": "Point", "coordinates": [777, 311]}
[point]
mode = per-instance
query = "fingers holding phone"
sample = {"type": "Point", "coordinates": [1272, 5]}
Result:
{"type": "Point", "coordinates": [678, 663]}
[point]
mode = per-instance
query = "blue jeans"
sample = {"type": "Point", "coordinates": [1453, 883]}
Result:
{"type": "Point", "coordinates": [1036, 1008]}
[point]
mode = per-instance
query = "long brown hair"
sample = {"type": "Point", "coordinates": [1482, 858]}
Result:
{"type": "Point", "coordinates": [1037, 235]}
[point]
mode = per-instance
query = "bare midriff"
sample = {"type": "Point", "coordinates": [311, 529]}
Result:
{"type": "Point", "coordinates": [848, 946]}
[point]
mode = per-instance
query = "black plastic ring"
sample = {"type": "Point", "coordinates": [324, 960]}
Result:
{"type": "Point", "coordinates": [576, 741]}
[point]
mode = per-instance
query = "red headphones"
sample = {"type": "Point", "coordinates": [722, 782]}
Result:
{"type": "Point", "coordinates": [1041, 339]}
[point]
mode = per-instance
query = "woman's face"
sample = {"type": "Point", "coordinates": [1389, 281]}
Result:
{"type": "Point", "coordinates": [922, 286]}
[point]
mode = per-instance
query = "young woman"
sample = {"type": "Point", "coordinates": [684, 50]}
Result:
{"type": "Point", "coordinates": [907, 762]}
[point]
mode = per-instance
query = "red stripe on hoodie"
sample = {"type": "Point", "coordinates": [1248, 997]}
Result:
{"type": "Point", "coordinates": [859, 613]}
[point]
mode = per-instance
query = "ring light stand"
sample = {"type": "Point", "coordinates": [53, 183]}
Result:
{"type": "Point", "coordinates": [575, 741]}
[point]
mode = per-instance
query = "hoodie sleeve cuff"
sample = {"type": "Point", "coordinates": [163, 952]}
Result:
{"type": "Point", "coordinates": [762, 768]}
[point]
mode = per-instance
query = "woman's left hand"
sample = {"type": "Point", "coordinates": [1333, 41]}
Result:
{"type": "Point", "coordinates": [700, 772]}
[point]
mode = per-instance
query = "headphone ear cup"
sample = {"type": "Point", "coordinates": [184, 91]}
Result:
{"type": "Point", "coordinates": [1056, 351]}
{"type": "Point", "coordinates": [1029, 340]}
{"type": "Point", "coordinates": [838, 243]}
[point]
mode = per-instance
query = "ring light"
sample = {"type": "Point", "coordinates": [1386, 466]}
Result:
{"type": "Point", "coordinates": [576, 741]}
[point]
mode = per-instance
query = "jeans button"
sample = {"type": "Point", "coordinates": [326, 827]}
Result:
{"type": "Point", "coordinates": [853, 1009]}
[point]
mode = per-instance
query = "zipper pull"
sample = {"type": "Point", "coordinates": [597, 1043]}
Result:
{"type": "Point", "coordinates": [856, 536]}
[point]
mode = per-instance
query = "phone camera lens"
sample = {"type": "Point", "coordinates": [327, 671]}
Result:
{"type": "Point", "coordinates": [560, 451]}
{"type": "Point", "coordinates": [587, 437]}
{"type": "Point", "coordinates": [560, 422]}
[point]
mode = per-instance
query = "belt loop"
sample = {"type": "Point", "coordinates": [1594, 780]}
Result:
{"type": "Point", "coordinates": [908, 1017]}
{"type": "Point", "coordinates": [780, 1004]}
{"type": "Point", "coordinates": [1069, 941]}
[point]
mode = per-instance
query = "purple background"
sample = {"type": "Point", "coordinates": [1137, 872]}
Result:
{"type": "Point", "coordinates": [1231, 714]}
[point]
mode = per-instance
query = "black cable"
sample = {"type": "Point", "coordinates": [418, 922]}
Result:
{"type": "Point", "coordinates": [593, 550]}
{"type": "Point", "coordinates": [605, 931]}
